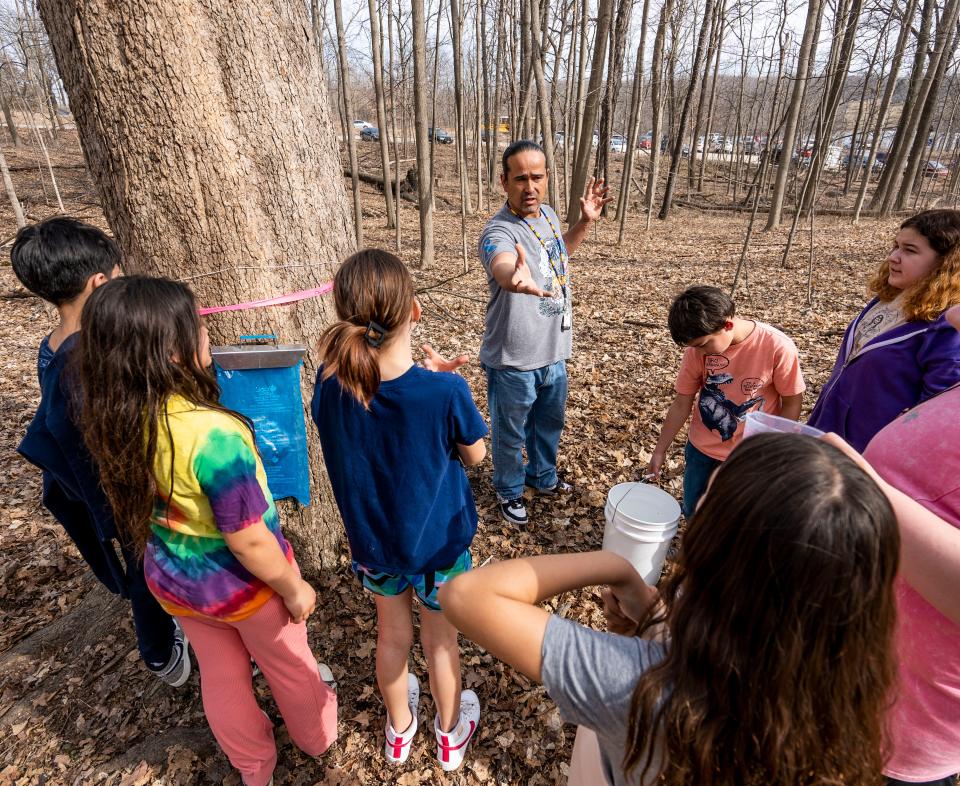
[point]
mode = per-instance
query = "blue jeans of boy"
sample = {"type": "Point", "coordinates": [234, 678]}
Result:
{"type": "Point", "coordinates": [526, 408]}
{"type": "Point", "coordinates": [153, 626]}
{"type": "Point", "coordinates": [697, 469]}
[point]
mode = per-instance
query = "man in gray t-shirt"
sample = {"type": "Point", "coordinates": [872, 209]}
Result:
{"type": "Point", "coordinates": [529, 325]}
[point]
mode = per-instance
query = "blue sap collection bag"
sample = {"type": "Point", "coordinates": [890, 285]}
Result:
{"type": "Point", "coordinates": [262, 381]}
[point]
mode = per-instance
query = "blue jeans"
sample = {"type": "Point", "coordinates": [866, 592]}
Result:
{"type": "Point", "coordinates": [697, 469]}
{"type": "Point", "coordinates": [526, 408]}
{"type": "Point", "coordinates": [154, 627]}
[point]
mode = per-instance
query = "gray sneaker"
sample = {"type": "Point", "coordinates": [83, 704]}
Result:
{"type": "Point", "coordinates": [177, 670]}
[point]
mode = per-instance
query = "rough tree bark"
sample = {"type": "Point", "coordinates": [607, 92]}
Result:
{"type": "Point", "coordinates": [230, 178]}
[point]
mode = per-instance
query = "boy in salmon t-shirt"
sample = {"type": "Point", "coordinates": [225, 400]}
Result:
{"type": "Point", "coordinates": [730, 367]}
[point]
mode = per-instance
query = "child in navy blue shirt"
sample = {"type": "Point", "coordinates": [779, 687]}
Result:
{"type": "Point", "coordinates": [63, 261]}
{"type": "Point", "coordinates": [395, 437]}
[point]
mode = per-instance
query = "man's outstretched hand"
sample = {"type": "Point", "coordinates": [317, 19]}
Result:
{"type": "Point", "coordinates": [595, 196]}
{"type": "Point", "coordinates": [433, 361]}
{"type": "Point", "coordinates": [522, 280]}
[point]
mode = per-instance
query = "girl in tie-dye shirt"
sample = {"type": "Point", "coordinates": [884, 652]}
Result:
{"type": "Point", "coordinates": [190, 493]}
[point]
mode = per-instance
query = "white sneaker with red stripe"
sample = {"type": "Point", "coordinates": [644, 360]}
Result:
{"type": "Point", "coordinates": [452, 746]}
{"type": "Point", "coordinates": [397, 746]}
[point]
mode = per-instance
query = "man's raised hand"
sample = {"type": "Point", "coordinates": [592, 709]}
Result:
{"type": "Point", "coordinates": [595, 196]}
{"type": "Point", "coordinates": [522, 280]}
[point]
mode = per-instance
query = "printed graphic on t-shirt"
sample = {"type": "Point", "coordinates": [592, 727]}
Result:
{"type": "Point", "coordinates": [555, 284]}
{"type": "Point", "coordinates": [718, 412]}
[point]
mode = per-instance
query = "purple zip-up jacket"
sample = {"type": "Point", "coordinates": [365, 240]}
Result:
{"type": "Point", "coordinates": [894, 371]}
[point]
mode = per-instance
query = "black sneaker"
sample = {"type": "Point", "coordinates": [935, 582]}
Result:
{"type": "Point", "coordinates": [557, 488]}
{"type": "Point", "coordinates": [177, 670]}
{"type": "Point", "coordinates": [514, 511]}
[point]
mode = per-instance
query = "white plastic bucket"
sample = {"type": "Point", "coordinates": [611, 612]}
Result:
{"type": "Point", "coordinates": [641, 522]}
{"type": "Point", "coordinates": [763, 423]}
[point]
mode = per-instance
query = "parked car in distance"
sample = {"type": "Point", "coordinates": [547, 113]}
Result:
{"type": "Point", "coordinates": [440, 136]}
{"type": "Point", "coordinates": [934, 169]}
{"type": "Point", "coordinates": [618, 144]}
{"type": "Point", "coordinates": [646, 141]}
{"type": "Point", "coordinates": [360, 124]}
{"type": "Point", "coordinates": [370, 134]}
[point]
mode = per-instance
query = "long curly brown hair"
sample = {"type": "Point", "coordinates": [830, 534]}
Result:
{"type": "Point", "coordinates": [779, 657]}
{"type": "Point", "coordinates": [139, 342]}
{"type": "Point", "coordinates": [929, 297]}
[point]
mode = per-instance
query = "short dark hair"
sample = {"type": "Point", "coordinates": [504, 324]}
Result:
{"type": "Point", "coordinates": [520, 146]}
{"type": "Point", "coordinates": [55, 258]}
{"type": "Point", "coordinates": [697, 312]}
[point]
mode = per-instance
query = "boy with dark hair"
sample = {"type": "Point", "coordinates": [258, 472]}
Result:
{"type": "Point", "coordinates": [730, 366]}
{"type": "Point", "coordinates": [63, 261]}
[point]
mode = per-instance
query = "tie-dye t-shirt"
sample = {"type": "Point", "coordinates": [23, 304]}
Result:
{"type": "Point", "coordinates": [218, 485]}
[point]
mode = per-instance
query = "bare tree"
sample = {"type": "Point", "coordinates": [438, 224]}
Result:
{"type": "Point", "coordinates": [807, 48]}
{"type": "Point", "coordinates": [246, 207]}
{"type": "Point", "coordinates": [376, 45]}
{"type": "Point", "coordinates": [424, 175]}
{"type": "Point", "coordinates": [350, 139]}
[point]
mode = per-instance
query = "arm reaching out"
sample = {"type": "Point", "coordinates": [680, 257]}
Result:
{"type": "Point", "coordinates": [929, 546]}
{"type": "Point", "coordinates": [512, 273]}
{"type": "Point", "coordinates": [676, 416]}
{"type": "Point", "coordinates": [496, 606]}
{"type": "Point", "coordinates": [434, 361]}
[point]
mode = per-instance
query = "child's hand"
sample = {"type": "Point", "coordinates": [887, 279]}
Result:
{"type": "Point", "coordinates": [656, 464]}
{"type": "Point", "coordinates": [626, 603]}
{"type": "Point", "coordinates": [301, 602]}
{"type": "Point", "coordinates": [617, 620]}
{"type": "Point", "coordinates": [434, 361]}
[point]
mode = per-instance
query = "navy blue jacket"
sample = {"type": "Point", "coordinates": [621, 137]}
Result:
{"type": "Point", "coordinates": [71, 483]}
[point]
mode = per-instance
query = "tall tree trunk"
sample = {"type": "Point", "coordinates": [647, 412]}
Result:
{"type": "Point", "coordinates": [424, 175]}
{"type": "Point", "coordinates": [376, 45]}
{"type": "Point", "coordinates": [623, 201]}
{"type": "Point", "coordinates": [807, 46]}
{"type": "Point", "coordinates": [608, 107]}
{"type": "Point", "coordinates": [946, 44]}
{"type": "Point", "coordinates": [677, 153]}
{"type": "Point", "coordinates": [893, 166]}
{"type": "Point", "coordinates": [351, 137]}
{"type": "Point", "coordinates": [11, 193]}
{"type": "Point", "coordinates": [898, 53]}
{"type": "Point", "coordinates": [581, 166]}
{"type": "Point", "coordinates": [656, 100]}
{"type": "Point", "coordinates": [8, 119]}
{"type": "Point", "coordinates": [230, 180]}
{"type": "Point", "coordinates": [543, 103]}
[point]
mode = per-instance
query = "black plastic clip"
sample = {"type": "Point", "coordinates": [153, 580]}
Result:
{"type": "Point", "coordinates": [374, 334]}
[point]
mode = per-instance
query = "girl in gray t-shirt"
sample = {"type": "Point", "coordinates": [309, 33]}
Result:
{"type": "Point", "coordinates": [768, 658]}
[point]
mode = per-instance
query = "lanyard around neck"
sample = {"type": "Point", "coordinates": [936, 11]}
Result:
{"type": "Point", "coordinates": [559, 275]}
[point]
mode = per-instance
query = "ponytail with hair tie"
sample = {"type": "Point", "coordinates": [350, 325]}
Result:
{"type": "Point", "coordinates": [373, 295]}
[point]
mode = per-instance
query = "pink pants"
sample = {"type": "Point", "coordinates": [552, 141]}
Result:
{"type": "Point", "coordinates": [280, 648]}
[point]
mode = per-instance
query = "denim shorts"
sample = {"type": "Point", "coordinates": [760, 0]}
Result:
{"type": "Point", "coordinates": [425, 585]}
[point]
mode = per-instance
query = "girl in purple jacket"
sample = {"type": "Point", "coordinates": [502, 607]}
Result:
{"type": "Point", "coordinates": [900, 350]}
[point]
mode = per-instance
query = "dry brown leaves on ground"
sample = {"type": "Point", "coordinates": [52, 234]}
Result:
{"type": "Point", "coordinates": [77, 707]}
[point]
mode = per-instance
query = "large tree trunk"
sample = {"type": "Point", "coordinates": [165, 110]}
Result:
{"type": "Point", "coordinates": [807, 45]}
{"type": "Point", "coordinates": [229, 180]}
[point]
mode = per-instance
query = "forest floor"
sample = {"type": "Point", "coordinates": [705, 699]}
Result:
{"type": "Point", "coordinates": [76, 705]}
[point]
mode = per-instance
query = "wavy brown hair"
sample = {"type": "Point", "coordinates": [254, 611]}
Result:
{"type": "Point", "coordinates": [929, 297]}
{"type": "Point", "coordinates": [371, 286]}
{"type": "Point", "coordinates": [779, 659]}
{"type": "Point", "coordinates": [139, 342]}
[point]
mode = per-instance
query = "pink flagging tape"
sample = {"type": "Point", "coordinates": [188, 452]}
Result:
{"type": "Point", "coordinates": [280, 300]}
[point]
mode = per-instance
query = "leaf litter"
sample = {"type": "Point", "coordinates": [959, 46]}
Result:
{"type": "Point", "coordinates": [97, 717]}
